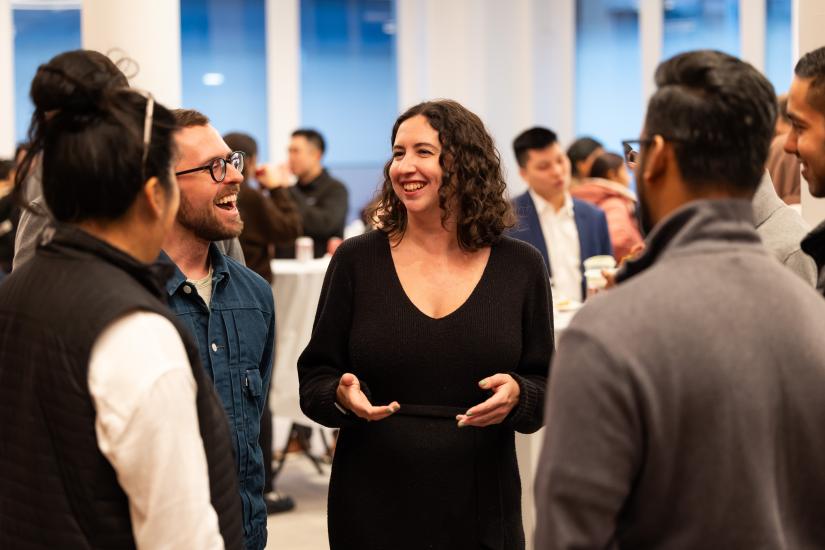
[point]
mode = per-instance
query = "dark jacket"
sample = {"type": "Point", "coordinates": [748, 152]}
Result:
{"type": "Point", "coordinates": [814, 246]}
{"type": "Point", "coordinates": [323, 204]}
{"type": "Point", "coordinates": [591, 223]}
{"type": "Point", "coordinates": [685, 405]}
{"type": "Point", "coordinates": [57, 489]}
{"type": "Point", "coordinates": [235, 338]}
{"type": "Point", "coordinates": [270, 218]}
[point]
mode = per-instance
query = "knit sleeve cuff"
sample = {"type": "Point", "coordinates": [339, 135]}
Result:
{"type": "Point", "coordinates": [337, 415]}
{"type": "Point", "coordinates": [528, 415]}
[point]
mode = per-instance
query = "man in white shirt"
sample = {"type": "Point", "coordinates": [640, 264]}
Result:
{"type": "Point", "coordinates": [565, 230]}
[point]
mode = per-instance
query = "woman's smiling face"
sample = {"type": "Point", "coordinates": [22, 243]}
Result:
{"type": "Point", "coordinates": [415, 171]}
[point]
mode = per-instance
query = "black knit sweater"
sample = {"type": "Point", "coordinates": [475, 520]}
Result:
{"type": "Point", "coordinates": [415, 480]}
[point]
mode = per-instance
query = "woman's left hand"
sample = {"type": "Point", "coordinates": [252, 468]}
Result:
{"type": "Point", "coordinates": [506, 392]}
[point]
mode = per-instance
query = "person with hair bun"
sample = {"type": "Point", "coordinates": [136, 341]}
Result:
{"type": "Point", "coordinates": [97, 73]}
{"type": "Point", "coordinates": [113, 436]}
{"type": "Point", "coordinates": [430, 348]}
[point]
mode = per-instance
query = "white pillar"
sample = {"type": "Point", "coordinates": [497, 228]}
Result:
{"type": "Point", "coordinates": [808, 20]}
{"type": "Point", "coordinates": [283, 68]}
{"type": "Point", "coordinates": [145, 31]}
{"type": "Point", "coordinates": [7, 141]}
{"type": "Point", "coordinates": [752, 31]}
{"type": "Point", "coordinates": [509, 62]}
{"type": "Point", "coordinates": [651, 43]}
{"type": "Point", "coordinates": [553, 47]}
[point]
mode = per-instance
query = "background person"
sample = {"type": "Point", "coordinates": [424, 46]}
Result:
{"type": "Point", "coordinates": [783, 167]}
{"type": "Point", "coordinates": [270, 215]}
{"type": "Point", "coordinates": [322, 200]}
{"type": "Point", "coordinates": [438, 330]}
{"type": "Point", "coordinates": [607, 188]}
{"type": "Point", "coordinates": [565, 230]}
{"type": "Point", "coordinates": [582, 153]}
{"type": "Point", "coordinates": [270, 218]}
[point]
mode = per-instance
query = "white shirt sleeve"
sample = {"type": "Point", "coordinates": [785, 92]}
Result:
{"type": "Point", "coordinates": [147, 427]}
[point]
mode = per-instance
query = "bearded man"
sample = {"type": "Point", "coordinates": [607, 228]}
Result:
{"type": "Point", "coordinates": [228, 307]}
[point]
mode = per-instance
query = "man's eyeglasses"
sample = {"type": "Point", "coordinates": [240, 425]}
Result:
{"type": "Point", "coordinates": [217, 166]}
{"type": "Point", "coordinates": [631, 149]}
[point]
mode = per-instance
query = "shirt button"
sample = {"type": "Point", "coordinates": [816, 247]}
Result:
{"type": "Point", "coordinates": [214, 346]}
{"type": "Point", "coordinates": [187, 289]}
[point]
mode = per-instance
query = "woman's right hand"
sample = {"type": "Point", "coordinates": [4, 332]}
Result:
{"type": "Point", "coordinates": [351, 397]}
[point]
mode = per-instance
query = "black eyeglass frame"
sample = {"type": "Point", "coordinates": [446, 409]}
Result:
{"type": "Point", "coordinates": [222, 162]}
{"type": "Point", "coordinates": [631, 153]}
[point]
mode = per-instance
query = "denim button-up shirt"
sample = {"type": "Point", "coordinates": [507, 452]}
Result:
{"type": "Point", "coordinates": [235, 337]}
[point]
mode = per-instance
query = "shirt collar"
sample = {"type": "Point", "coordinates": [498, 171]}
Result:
{"type": "Point", "coordinates": [703, 225]}
{"type": "Point", "coordinates": [311, 185]}
{"type": "Point", "coordinates": [220, 269]}
{"type": "Point", "coordinates": [542, 205]}
{"type": "Point", "coordinates": [71, 240]}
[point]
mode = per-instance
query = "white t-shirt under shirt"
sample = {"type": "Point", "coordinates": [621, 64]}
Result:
{"type": "Point", "coordinates": [147, 428]}
{"type": "Point", "coordinates": [204, 287]}
{"type": "Point", "coordinates": [562, 239]}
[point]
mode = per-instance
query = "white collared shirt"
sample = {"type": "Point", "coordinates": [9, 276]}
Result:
{"type": "Point", "coordinates": [562, 239]}
{"type": "Point", "coordinates": [147, 428]}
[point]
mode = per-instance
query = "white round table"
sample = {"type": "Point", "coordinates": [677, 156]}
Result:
{"type": "Point", "coordinates": [297, 288]}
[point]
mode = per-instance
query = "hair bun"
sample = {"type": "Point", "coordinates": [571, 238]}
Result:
{"type": "Point", "coordinates": [75, 81]}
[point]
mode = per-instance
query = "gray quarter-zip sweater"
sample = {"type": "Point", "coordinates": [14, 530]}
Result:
{"type": "Point", "coordinates": [685, 407]}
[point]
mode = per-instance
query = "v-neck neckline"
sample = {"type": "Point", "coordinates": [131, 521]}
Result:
{"type": "Point", "coordinates": [408, 300]}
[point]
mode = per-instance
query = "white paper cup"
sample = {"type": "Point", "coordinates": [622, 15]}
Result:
{"type": "Point", "coordinates": [304, 249]}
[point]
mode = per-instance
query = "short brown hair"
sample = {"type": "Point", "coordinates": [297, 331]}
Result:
{"type": "Point", "coordinates": [186, 118]}
{"type": "Point", "coordinates": [471, 172]}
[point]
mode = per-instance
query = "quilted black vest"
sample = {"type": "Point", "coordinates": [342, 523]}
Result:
{"type": "Point", "coordinates": [56, 489]}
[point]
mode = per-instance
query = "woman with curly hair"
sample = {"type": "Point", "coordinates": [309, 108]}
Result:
{"type": "Point", "coordinates": [431, 346]}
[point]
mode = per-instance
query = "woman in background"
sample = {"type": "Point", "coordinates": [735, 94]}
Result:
{"type": "Point", "coordinates": [607, 188]}
{"type": "Point", "coordinates": [430, 349]}
{"type": "Point", "coordinates": [582, 153]}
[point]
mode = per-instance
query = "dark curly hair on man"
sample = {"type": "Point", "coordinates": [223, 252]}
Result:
{"type": "Point", "coordinates": [471, 183]}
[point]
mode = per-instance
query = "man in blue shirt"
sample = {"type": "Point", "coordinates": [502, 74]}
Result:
{"type": "Point", "coordinates": [228, 308]}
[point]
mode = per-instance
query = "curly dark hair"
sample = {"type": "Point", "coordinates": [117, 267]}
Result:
{"type": "Point", "coordinates": [471, 179]}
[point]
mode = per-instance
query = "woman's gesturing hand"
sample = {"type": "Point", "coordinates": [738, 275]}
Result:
{"type": "Point", "coordinates": [351, 397]}
{"type": "Point", "coordinates": [506, 392]}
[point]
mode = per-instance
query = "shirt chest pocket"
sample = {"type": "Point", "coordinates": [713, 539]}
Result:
{"type": "Point", "coordinates": [247, 331]}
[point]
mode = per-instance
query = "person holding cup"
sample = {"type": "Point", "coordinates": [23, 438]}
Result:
{"type": "Point", "coordinates": [430, 348]}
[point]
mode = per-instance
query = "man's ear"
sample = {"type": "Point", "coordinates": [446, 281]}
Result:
{"type": "Point", "coordinates": [155, 195]}
{"type": "Point", "coordinates": [656, 160]}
